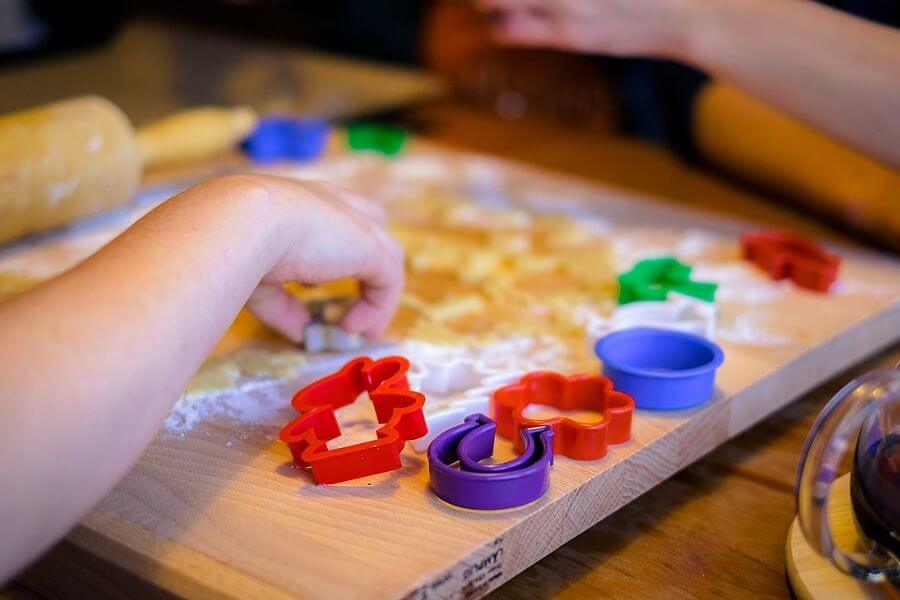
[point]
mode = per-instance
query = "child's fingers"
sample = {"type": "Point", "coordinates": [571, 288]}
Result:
{"type": "Point", "coordinates": [381, 283]}
{"type": "Point", "coordinates": [344, 236]}
{"type": "Point", "coordinates": [279, 310]}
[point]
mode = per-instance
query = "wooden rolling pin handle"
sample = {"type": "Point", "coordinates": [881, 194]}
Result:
{"type": "Point", "coordinates": [194, 135]}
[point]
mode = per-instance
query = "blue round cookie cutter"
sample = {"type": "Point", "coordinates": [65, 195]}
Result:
{"type": "Point", "coordinates": [283, 137]}
{"type": "Point", "coordinates": [660, 369]}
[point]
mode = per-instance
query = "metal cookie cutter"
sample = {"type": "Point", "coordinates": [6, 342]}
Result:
{"type": "Point", "coordinates": [786, 255]}
{"type": "Point", "coordinates": [678, 313]}
{"type": "Point", "coordinates": [581, 441]}
{"type": "Point", "coordinates": [654, 278]}
{"type": "Point", "coordinates": [474, 485]}
{"type": "Point", "coordinates": [323, 333]}
{"type": "Point", "coordinates": [396, 406]}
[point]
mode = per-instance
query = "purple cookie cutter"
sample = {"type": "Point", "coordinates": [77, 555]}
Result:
{"type": "Point", "coordinates": [474, 485]}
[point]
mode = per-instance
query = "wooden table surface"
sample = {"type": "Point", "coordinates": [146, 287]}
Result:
{"type": "Point", "coordinates": [718, 527]}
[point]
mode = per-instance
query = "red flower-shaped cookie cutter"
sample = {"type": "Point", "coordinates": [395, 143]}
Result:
{"type": "Point", "coordinates": [581, 441]}
{"type": "Point", "coordinates": [786, 255]}
{"type": "Point", "coordinates": [399, 408]}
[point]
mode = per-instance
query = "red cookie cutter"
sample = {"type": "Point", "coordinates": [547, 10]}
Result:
{"type": "Point", "coordinates": [786, 255]}
{"type": "Point", "coordinates": [581, 441]}
{"type": "Point", "coordinates": [399, 408]}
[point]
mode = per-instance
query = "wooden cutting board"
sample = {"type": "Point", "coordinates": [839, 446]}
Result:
{"type": "Point", "coordinates": [219, 510]}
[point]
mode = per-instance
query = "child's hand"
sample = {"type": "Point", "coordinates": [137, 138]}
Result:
{"type": "Point", "coordinates": [329, 233]}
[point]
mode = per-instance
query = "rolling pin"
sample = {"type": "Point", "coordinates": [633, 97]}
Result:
{"type": "Point", "coordinates": [78, 157]}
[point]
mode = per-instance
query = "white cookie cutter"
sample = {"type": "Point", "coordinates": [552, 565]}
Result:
{"type": "Point", "coordinates": [678, 312]}
{"type": "Point", "coordinates": [321, 337]}
{"type": "Point", "coordinates": [323, 333]}
{"type": "Point", "coordinates": [443, 371]}
{"type": "Point", "coordinates": [474, 400]}
{"type": "Point", "coordinates": [469, 376]}
{"type": "Point", "coordinates": [450, 377]}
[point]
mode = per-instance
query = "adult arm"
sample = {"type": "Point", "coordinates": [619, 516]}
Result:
{"type": "Point", "coordinates": [834, 72]}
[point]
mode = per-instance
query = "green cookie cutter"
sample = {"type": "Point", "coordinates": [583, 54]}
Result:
{"type": "Point", "coordinates": [386, 139]}
{"type": "Point", "coordinates": [653, 279]}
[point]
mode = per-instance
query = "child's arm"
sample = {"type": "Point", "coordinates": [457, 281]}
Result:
{"type": "Point", "coordinates": [92, 361]}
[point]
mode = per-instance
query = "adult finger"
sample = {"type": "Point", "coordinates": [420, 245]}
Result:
{"type": "Point", "coordinates": [526, 29]}
{"type": "Point", "coordinates": [510, 5]}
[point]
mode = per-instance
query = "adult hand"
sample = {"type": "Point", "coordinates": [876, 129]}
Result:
{"type": "Point", "coordinates": [617, 27]}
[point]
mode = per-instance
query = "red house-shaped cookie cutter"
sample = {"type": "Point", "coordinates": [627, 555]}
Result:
{"type": "Point", "coordinates": [786, 255]}
{"type": "Point", "coordinates": [399, 408]}
{"type": "Point", "coordinates": [581, 441]}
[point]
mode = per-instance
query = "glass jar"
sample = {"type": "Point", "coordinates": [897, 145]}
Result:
{"type": "Point", "coordinates": [865, 415]}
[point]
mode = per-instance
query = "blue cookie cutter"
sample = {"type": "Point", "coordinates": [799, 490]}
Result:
{"type": "Point", "coordinates": [279, 138]}
{"type": "Point", "coordinates": [660, 369]}
{"type": "Point", "coordinates": [474, 485]}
